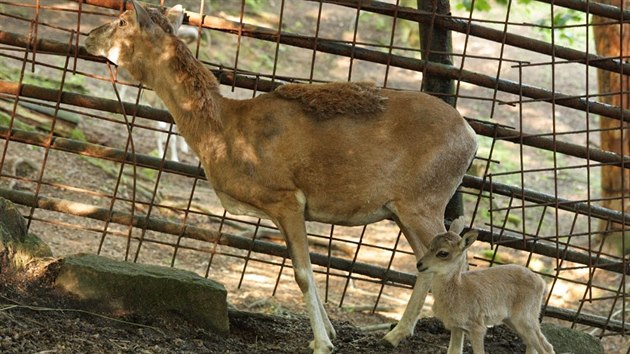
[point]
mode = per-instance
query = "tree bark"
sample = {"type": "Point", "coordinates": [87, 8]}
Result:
{"type": "Point", "coordinates": [613, 40]}
{"type": "Point", "coordinates": [436, 45]}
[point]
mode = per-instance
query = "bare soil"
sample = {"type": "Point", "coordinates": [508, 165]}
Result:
{"type": "Point", "coordinates": [37, 319]}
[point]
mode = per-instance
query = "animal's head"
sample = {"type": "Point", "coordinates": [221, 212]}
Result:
{"type": "Point", "coordinates": [126, 39]}
{"type": "Point", "coordinates": [447, 250]}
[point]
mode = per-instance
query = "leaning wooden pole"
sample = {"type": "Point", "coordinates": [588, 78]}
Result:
{"type": "Point", "coordinates": [245, 243]}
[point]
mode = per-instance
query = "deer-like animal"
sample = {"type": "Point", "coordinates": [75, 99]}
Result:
{"type": "Point", "coordinates": [340, 153]}
{"type": "Point", "coordinates": [470, 301]}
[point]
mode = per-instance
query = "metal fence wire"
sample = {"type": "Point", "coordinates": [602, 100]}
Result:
{"type": "Point", "coordinates": [79, 152]}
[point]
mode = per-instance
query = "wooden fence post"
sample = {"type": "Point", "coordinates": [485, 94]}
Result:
{"type": "Point", "coordinates": [436, 46]}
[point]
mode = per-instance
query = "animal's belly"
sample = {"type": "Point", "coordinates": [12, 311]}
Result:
{"type": "Point", "coordinates": [354, 217]}
{"type": "Point", "coordinates": [338, 212]}
{"type": "Point", "coordinates": [236, 207]}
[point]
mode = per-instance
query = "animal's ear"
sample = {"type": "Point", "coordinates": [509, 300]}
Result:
{"type": "Point", "coordinates": [175, 16]}
{"type": "Point", "coordinates": [457, 226]}
{"type": "Point", "coordinates": [468, 239]}
{"type": "Point", "coordinates": [142, 17]}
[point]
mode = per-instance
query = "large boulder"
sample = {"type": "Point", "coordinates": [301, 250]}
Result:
{"type": "Point", "coordinates": [124, 287]}
{"type": "Point", "coordinates": [17, 247]}
{"type": "Point", "coordinates": [567, 340]}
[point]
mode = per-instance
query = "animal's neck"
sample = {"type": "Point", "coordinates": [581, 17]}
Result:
{"type": "Point", "coordinates": [188, 89]}
{"type": "Point", "coordinates": [446, 282]}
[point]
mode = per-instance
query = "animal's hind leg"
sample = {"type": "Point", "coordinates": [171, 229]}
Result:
{"type": "Point", "coordinates": [419, 229]}
{"type": "Point", "coordinates": [529, 331]}
{"type": "Point", "coordinates": [292, 226]}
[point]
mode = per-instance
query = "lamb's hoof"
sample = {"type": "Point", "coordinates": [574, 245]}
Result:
{"type": "Point", "coordinates": [324, 348]}
{"type": "Point", "coordinates": [332, 334]}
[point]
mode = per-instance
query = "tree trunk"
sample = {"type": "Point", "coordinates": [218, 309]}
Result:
{"type": "Point", "coordinates": [611, 40]}
{"type": "Point", "coordinates": [436, 45]}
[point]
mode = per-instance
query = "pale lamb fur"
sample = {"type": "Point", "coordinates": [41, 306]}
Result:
{"type": "Point", "coordinates": [470, 301]}
{"type": "Point", "coordinates": [275, 158]}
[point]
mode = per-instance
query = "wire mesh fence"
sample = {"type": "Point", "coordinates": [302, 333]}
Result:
{"type": "Point", "coordinates": [86, 152]}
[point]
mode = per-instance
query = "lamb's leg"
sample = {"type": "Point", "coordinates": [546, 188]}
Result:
{"type": "Point", "coordinates": [172, 144]}
{"type": "Point", "coordinates": [537, 341]}
{"type": "Point", "coordinates": [543, 346]}
{"type": "Point", "coordinates": [292, 226]}
{"type": "Point", "coordinates": [160, 141]}
{"type": "Point", "coordinates": [183, 145]}
{"type": "Point", "coordinates": [477, 335]}
{"type": "Point", "coordinates": [529, 331]}
{"type": "Point", "coordinates": [418, 229]}
{"type": "Point", "coordinates": [456, 344]}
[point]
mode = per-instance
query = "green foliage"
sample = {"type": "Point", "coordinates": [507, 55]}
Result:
{"type": "Point", "coordinates": [377, 22]}
{"type": "Point", "coordinates": [78, 135]}
{"type": "Point", "coordinates": [74, 83]}
{"type": "Point", "coordinates": [255, 5]}
{"type": "Point", "coordinates": [484, 5]}
{"type": "Point", "coordinates": [479, 5]}
{"type": "Point", "coordinates": [5, 120]}
{"type": "Point", "coordinates": [561, 18]}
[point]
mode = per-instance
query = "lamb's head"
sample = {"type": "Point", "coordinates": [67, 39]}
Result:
{"type": "Point", "coordinates": [447, 251]}
{"type": "Point", "coordinates": [127, 40]}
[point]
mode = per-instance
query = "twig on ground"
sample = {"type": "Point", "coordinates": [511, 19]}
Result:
{"type": "Point", "coordinates": [377, 327]}
{"type": "Point", "coordinates": [37, 308]}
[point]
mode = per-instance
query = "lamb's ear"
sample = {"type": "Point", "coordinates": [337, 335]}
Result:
{"type": "Point", "coordinates": [175, 17]}
{"type": "Point", "coordinates": [457, 226]}
{"type": "Point", "coordinates": [468, 239]}
{"type": "Point", "coordinates": [142, 17]}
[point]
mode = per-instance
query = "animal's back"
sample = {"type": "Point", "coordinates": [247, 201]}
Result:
{"type": "Point", "coordinates": [510, 278]}
{"type": "Point", "coordinates": [413, 132]}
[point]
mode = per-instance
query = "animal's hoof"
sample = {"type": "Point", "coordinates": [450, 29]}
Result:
{"type": "Point", "coordinates": [324, 348]}
{"type": "Point", "coordinates": [386, 343]}
{"type": "Point", "coordinates": [332, 334]}
{"type": "Point", "coordinates": [394, 337]}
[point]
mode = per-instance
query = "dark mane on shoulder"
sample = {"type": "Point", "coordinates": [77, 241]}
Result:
{"type": "Point", "coordinates": [325, 101]}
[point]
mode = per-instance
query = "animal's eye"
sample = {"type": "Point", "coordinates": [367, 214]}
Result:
{"type": "Point", "coordinates": [442, 254]}
{"type": "Point", "coordinates": [122, 23]}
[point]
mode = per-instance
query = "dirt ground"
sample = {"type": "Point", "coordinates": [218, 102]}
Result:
{"type": "Point", "coordinates": [36, 319]}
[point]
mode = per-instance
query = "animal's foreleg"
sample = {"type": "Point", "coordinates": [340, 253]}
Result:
{"type": "Point", "coordinates": [295, 234]}
{"type": "Point", "coordinates": [456, 344]}
{"type": "Point", "coordinates": [407, 323]}
{"type": "Point", "coordinates": [173, 146]}
{"type": "Point", "coordinates": [183, 145]}
{"type": "Point", "coordinates": [160, 141]}
{"type": "Point", "coordinates": [476, 339]}
{"type": "Point", "coordinates": [419, 229]}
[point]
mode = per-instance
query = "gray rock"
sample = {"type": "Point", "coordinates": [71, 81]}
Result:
{"type": "Point", "coordinates": [17, 247]}
{"type": "Point", "coordinates": [569, 341]}
{"type": "Point", "coordinates": [124, 287]}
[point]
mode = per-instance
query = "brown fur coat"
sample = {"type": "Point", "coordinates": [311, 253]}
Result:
{"type": "Point", "coordinates": [324, 101]}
